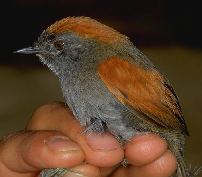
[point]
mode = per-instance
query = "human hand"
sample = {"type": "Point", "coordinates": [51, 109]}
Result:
{"type": "Point", "coordinates": [54, 139]}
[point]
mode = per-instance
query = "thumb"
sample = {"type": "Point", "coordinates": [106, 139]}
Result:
{"type": "Point", "coordinates": [29, 152]}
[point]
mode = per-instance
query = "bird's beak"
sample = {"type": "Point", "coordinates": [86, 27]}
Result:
{"type": "Point", "coordinates": [29, 50]}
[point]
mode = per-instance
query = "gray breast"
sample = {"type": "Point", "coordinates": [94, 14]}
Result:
{"type": "Point", "coordinates": [96, 108]}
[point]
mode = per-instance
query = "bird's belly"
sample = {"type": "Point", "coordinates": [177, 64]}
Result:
{"type": "Point", "coordinates": [98, 110]}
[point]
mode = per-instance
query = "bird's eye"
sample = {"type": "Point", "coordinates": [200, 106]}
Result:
{"type": "Point", "coordinates": [59, 45]}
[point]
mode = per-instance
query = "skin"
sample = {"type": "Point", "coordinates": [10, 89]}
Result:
{"type": "Point", "coordinates": [53, 138]}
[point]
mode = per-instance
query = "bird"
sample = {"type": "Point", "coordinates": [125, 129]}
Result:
{"type": "Point", "coordinates": [110, 85]}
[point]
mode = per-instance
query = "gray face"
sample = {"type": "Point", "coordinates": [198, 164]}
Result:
{"type": "Point", "coordinates": [64, 52]}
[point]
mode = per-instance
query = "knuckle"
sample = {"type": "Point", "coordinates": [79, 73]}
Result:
{"type": "Point", "coordinates": [44, 112]}
{"type": "Point", "coordinates": [8, 138]}
{"type": "Point", "coordinates": [48, 108]}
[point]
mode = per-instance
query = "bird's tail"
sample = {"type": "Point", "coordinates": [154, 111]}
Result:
{"type": "Point", "coordinates": [184, 171]}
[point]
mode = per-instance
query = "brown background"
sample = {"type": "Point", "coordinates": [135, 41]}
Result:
{"type": "Point", "coordinates": [168, 32]}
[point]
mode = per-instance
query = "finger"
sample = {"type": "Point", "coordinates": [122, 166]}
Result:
{"type": "Point", "coordinates": [84, 169]}
{"type": "Point", "coordinates": [109, 171]}
{"type": "Point", "coordinates": [162, 167]}
{"type": "Point", "coordinates": [55, 116]}
{"type": "Point", "coordinates": [144, 149]}
{"type": "Point", "coordinates": [100, 150]}
{"type": "Point", "coordinates": [32, 151]}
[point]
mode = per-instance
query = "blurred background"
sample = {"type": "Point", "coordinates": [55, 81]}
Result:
{"type": "Point", "coordinates": [167, 31]}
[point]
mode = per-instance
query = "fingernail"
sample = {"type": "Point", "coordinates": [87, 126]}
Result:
{"type": "Point", "coordinates": [61, 144]}
{"type": "Point", "coordinates": [103, 142]}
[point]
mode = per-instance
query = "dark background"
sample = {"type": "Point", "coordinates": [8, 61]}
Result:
{"type": "Point", "coordinates": [168, 31]}
{"type": "Point", "coordinates": [147, 22]}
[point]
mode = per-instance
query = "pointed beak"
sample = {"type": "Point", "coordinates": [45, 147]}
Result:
{"type": "Point", "coordinates": [29, 50]}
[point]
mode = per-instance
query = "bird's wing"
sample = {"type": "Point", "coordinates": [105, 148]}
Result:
{"type": "Point", "coordinates": [144, 90]}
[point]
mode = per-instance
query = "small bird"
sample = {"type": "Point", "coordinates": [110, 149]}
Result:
{"type": "Point", "coordinates": [110, 85]}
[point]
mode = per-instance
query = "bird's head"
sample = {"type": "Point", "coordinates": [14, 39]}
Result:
{"type": "Point", "coordinates": [67, 43]}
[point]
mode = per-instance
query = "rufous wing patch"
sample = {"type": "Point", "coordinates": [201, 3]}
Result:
{"type": "Point", "coordinates": [86, 27]}
{"type": "Point", "coordinates": [142, 89]}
